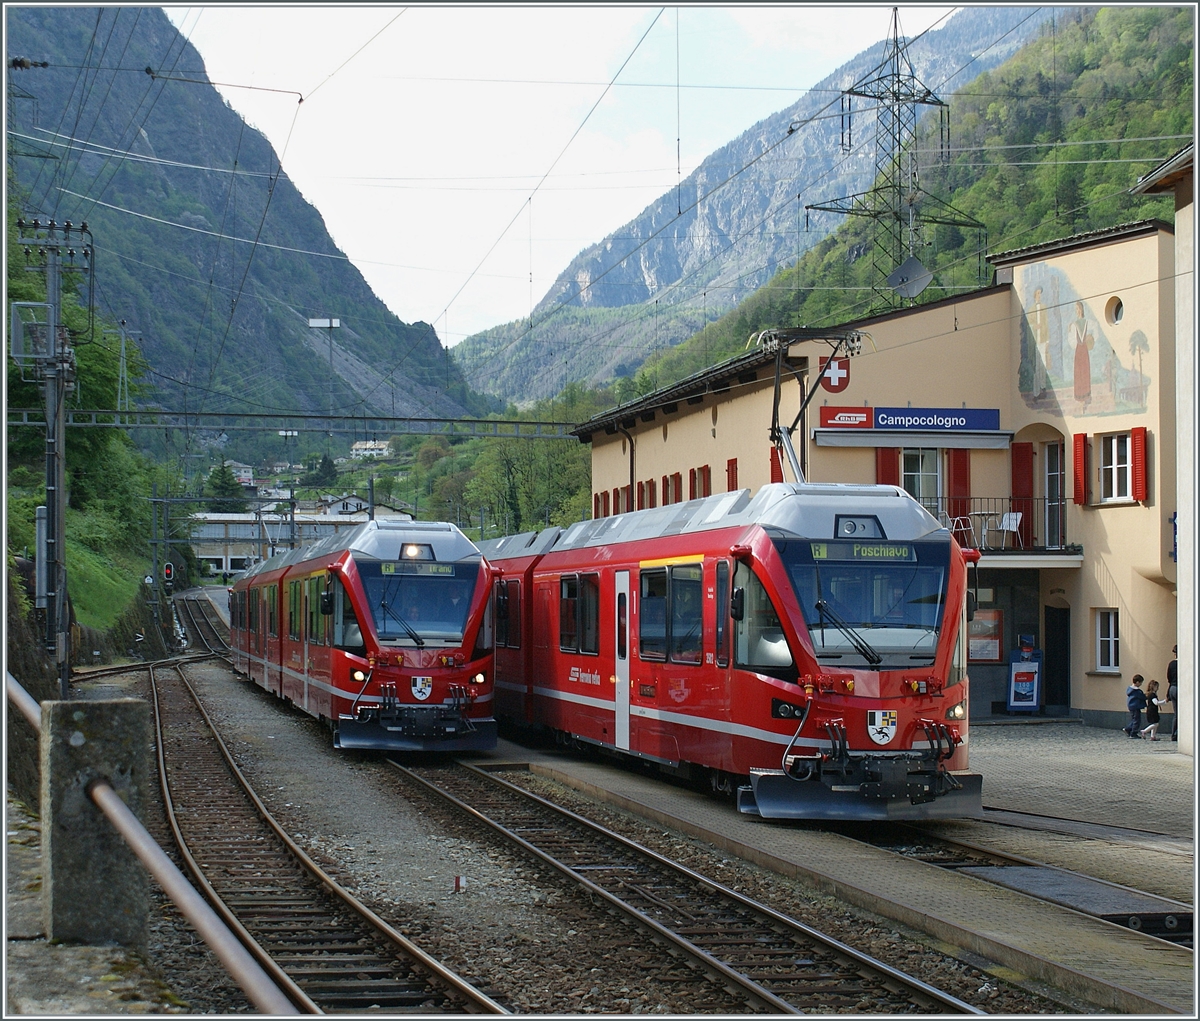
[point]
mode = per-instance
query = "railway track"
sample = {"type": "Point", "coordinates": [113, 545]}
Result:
{"type": "Point", "coordinates": [197, 617]}
{"type": "Point", "coordinates": [327, 951]}
{"type": "Point", "coordinates": [1150, 914]}
{"type": "Point", "coordinates": [774, 962]}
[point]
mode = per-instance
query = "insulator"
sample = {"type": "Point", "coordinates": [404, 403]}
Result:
{"type": "Point", "coordinates": [67, 226]}
{"type": "Point", "coordinates": [36, 224]}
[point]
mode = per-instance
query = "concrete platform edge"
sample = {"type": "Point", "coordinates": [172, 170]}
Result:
{"type": "Point", "coordinates": [1069, 979]}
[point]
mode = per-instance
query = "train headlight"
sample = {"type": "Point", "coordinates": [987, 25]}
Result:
{"type": "Point", "coordinates": [478, 679]}
{"type": "Point", "coordinates": [957, 712]}
{"type": "Point", "coordinates": [358, 675]}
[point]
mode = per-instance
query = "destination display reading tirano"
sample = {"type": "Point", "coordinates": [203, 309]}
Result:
{"type": "Point", "coordinates": [894, 552]}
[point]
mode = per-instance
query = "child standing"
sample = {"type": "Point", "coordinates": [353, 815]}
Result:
{"type": "Point", "coordinates": [1152, 704]}
{"type": "Point", "coordinates": [1135, 701]}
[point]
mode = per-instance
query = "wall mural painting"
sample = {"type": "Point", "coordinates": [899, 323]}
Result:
{"type": "Point", "coordinates": [1069, 363]}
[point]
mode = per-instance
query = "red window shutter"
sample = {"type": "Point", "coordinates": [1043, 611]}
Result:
{"type": "Point", "coordinates": [595, 505]}
{"type": "Point", "coordinates": [629, 498]}
{"type": "Point", "coordinates": [1079, 468]}
{"type": "Point", "coordinates": [887, 466]}
{"type": "Point", "coordinates": [677, 487]}
{"type": "Point", "coordinates": [776, 466]}
{"type": "Point", "coordinates": [1022, 490]}
{"type": "Point", "coordinates": [958, 464]}
{"type": "Point", "coordinates": [706, 481]}
{"type": "Point", "coordinates": [691, 483]}
{"type": "Point", "coordinates": [1022, 470]}
{"type": "Point", "coordinates": [731, 480]}
{"type": "Point", "coordinates": [666, 490]}
{"type": "Point", "coordinates": [651, 494]}
{"type": "Point", "coordinates": [604, 503]}
{"type": "Point", "coordinates": [1137, 456]}
{"type": "Point", "coordinates": [616, 501]}
{"type": "Point", "coordinates": [641, 504]}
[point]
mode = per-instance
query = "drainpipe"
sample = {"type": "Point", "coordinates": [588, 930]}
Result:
{"type": "Point", "coordinates": [632, 474]}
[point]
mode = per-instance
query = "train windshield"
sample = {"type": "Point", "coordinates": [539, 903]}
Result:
{"type": "Point", "coordinates": [419, 603]}
{"type": "Point", "coordinates": [878, 604]}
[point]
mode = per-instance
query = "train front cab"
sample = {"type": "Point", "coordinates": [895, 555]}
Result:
{"type": "Point", "coordinates": [871, 741]}
{"type": "Point", "coordinates": [414, 683]}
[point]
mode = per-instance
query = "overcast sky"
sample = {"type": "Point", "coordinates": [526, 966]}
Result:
{"type": "Point", "coordinates": [425, 131]}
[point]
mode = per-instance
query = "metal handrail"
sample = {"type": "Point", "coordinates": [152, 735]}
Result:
{"type": "Point", "coordinates": [244, 970]}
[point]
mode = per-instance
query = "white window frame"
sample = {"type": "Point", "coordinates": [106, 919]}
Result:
{"type": "Point", "coordinates": [1056, 503]}
{"type": "Point", "coordinates": [932, 502]}
{"type": "Point", "coordinates": [1108, 641]}
{"type": "Point", "coordinates": [1116, 475]}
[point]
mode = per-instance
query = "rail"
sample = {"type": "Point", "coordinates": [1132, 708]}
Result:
{"type": "Point", "coordinates": [244, 970]}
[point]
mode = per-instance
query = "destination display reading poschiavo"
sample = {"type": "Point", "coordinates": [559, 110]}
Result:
{"type": "Point", "coordinates": [888, 551]}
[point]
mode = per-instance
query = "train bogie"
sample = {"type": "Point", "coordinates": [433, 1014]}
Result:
{"type": "Point", "coordinates": [384, 633]}
{"type": "Point", "coordinates": [808, 642]}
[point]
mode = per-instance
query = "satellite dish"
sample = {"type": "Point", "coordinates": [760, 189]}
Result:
{"type": "Point", "coordinates": [910, 278]}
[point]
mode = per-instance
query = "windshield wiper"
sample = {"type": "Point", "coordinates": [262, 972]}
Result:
{"type": "Point", "coordinates": [860, 644]}
{"type": "Point", "coordinates": [420, 642]}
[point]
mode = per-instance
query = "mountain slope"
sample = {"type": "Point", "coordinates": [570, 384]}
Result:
{"type": "Point", "coordinates": [1114, 90]}
{"type": "Point", "coordinates": [202, 244]}
{"type": "Point", "coordinates": [661, 276]}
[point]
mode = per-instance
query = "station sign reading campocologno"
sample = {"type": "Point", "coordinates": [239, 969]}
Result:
{"type": "Point", "coordinates": [915, 419]}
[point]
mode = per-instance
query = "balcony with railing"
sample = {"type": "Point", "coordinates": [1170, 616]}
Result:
{"type": "Point", "coordinates": [1006, 524]}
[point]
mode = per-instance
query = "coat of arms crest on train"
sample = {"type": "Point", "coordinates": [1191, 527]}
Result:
{"type": "Point", "coordinates": [881, 725]}
{"type": "Point", "coordinates": [421, 687]}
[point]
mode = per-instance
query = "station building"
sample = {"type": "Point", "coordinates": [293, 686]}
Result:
{"type": "Point", "coordinates": [1036, 418]}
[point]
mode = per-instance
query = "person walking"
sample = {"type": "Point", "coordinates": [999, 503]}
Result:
{"type": "Point", "coordinates": [1152, 704]}
{"type": "Point", "coordinates": [1173, 690]}
{"type": "Point", "coordinates": [1135, 701]}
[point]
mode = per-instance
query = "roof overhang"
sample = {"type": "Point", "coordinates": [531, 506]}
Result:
{"type": "Point", "coordinates": [964, 440]}
{"type": "Point", "coordinates": [1167, 174]}
{"type": "Point", "coordinates": [1026, 561]}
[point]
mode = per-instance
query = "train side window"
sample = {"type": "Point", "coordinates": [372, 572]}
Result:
{"type": "Point", "coordinates": [622, 627]}
{"type": "Point", "coordinates": [294, 610]}
{"type": "Point", "coordinates": [568, 613]}
{"type": "Point", "coordinates": [316, 619]}
{"type": "Point", "coordinates": [513, 606]}
{"type": "Point", "coordinates": [500, 601]}
{"type": "Point", "coordinates": [759, 641]}
{"type": "Point", "coordinates": [347, 632]}
{"type": "Point", "coordinates": [687, 614]}
{"type": "Point", "coordinates": [589, 613]}
{"type": "Point", "coordinates": [652, 615]}
{"type": "Point", "coordinates": [722, 613]}
{"type": "Point", "coordinates": [273, 610]}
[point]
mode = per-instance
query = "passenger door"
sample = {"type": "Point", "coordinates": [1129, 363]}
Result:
{"type": "Point", "coordinates": [621, 673]}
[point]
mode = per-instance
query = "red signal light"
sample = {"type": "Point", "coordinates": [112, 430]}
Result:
{"type": "Point", "coordinates": [168, 571]}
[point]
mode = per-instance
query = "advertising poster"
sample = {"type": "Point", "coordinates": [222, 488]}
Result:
{"type": "Point", "coordinates": [984, 636]}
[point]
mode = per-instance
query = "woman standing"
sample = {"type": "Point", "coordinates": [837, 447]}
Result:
{"type": "Point", "coordinates": [1084, 342]}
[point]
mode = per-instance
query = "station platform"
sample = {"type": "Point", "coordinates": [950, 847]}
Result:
{"type": "Point", "coordinates": [1080, 782]}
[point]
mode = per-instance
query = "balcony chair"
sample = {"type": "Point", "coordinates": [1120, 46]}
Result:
{"type": "Point", "coordinates": [1010, 522]}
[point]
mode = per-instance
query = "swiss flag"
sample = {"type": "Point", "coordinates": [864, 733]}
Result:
{"type": "Point", "coordinates": [835, 374]}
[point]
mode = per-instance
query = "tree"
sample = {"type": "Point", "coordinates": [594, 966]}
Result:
{"type": "Point", "coordinates": [222, 483]}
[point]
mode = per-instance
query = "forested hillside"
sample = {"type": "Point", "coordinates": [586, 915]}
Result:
{"type": "Point", "coordinates": [203, 245]}
{"type": "Point", "coordinates": [1044, 146]}
{"type": "Point", "coordinates": [687, 259]}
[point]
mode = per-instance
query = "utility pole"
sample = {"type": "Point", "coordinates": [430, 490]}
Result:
{"type": "Point", "coordinates": [45, 347]}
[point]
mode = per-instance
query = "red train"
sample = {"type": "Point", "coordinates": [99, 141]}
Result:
{"type": "Point", "coordinates": [383, 633]}
{"type": "Point", "coordinates": [806, 648]}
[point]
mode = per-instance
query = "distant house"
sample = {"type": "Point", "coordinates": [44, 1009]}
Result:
{"type": "Point", "coordinates": [244, 473]}
{"type": "Point", "coordinates": [369, 448]}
